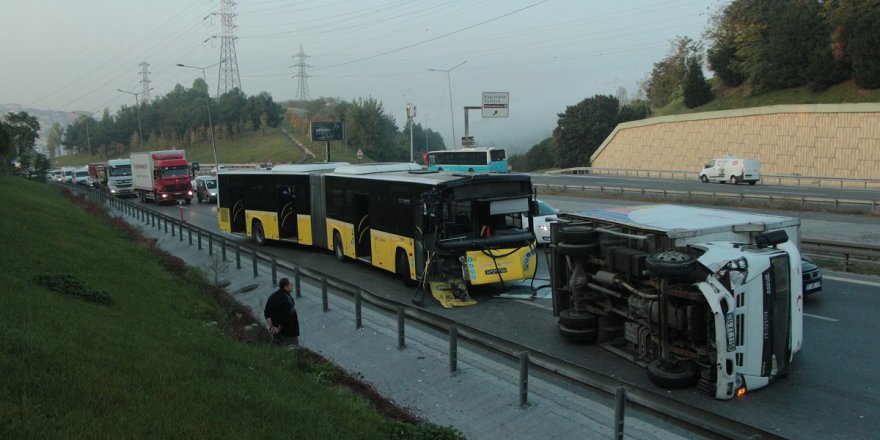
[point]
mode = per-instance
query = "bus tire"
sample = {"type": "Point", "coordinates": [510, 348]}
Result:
{"type": "Point", "coordinates": [402, 268]}
{"type": "Point", "coordinates": [673, 376]}
{"type": "Point", "coordinates": [440, 169]}
{"type": "Point", "coordinates": [258, 234]}
{"type": "Point", "coordinates": [338, 251]}
{"type": "Point", "coordinates": [470, 170]}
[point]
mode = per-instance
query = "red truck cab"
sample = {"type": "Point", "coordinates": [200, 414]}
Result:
{"type": "Point", "coordinates": [162, 176]}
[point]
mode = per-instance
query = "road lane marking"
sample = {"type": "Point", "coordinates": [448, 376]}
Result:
{"type": "Point", "coordinates": [824, 318]}
{"type": "Point", "coordinates": [847, 280]}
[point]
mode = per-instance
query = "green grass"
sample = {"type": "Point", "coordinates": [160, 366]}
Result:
{"type": "Point", "coordinates": [252, 147]}
{"type": "Point", "coordinates": [145, 365]}
{"type": "Point", "coordinates": [739, 97]}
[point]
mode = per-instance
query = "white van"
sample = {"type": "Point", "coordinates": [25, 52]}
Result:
{"type": "Point", "coordinates": [731, 169]}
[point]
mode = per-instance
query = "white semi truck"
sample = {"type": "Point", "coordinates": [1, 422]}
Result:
{"type": "Point", "coordinates": [119, 180]}
{"type": "Point", "coordinates": [698, 296]}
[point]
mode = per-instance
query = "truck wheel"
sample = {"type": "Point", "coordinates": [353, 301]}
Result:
{"type": "Point", "coordinates": [576, 234]}
{"type": "Point", "coordinates": [671, 263]}
{"type": "Point", "coordinates": [577, 250]}
{"type": "Point", "coordinates": [578, 335]}
{"type": "Point", "coordinates": [337, 247]}
{"type": "Point", "coordinates": [402, 268]}
{"type": "Point", "coordinates": [258, 233]}
{"type": "Point", "coordinates": [704, 179]}
{"type": "Point", "coordinates": [733, 180]}
{"type": "Point", "coordinates": [581, 321]}
{"type": "Point", "coordinates": [189, 201]}
{"type": "Point", "coordinates": [678, 375]}
{"type": "Point", "coordinates": [143, 196]}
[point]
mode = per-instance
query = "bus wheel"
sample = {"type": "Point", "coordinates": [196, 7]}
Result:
{"type": "Point", "coordinates": [402, 267]}
{"type": "Point", "coordinates": [470, 170]}
{"type": "Point", "coordinates": [672, 376]}
{"type": "Point", "coordinates": [258, 234]}
{"type": "Point", "coordinates": [337, 247]}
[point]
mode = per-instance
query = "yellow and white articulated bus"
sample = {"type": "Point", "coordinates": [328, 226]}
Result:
{"type": "Point", "coordinates": [442, 230]}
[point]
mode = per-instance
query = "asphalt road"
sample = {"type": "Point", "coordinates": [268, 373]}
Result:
{"type": "Point", "coordinates": [831, 393]}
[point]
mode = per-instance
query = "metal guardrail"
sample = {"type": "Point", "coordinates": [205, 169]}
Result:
{"type": "Point", "coordinates": [779, 179]}
{"type": "Point", "coordinates": [743, 199]}
{"type": "Point", "coordinates": [845, 249]}
{"type": "Point", "coordinates": [689, 417]}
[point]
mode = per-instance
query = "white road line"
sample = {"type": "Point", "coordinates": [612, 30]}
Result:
{"type": "Point", "coordinates": [824, 318]}
{"type": "Point", "coordinates": [847, 280]}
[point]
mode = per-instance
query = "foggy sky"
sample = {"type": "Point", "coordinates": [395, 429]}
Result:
{"type": "Point", "coordinates": [74, 55]}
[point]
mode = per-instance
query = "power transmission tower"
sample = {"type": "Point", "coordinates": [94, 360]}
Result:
{"type": "Point", "coordinates": [228, 75]}
{"type": "Point", "coordinates": [145, 82]}
{"type": "Point", "coordinates": [302, 89]}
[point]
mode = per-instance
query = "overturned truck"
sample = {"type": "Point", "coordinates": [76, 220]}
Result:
{"type": "Point", "coordinates": [698, 296]}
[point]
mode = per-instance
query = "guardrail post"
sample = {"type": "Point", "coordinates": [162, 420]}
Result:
{"type": "Point", "coordinates": [846, 262]}
{"type": "Point", "coordinates": [619, 408]}
{"type": "Point", "coordinates": [210, 244]}
{"type": "Point", "coordinates": [199, 232]}
{"type": "Point", "coordinates": [401, 340]}
{"type": "Point", "coordinates": [166, 224]}
{"type": "Point", "coordinates": [254, 253]}
{"type": "Point", "coordinates": [238, 257]}
{"type": "Point", "coordinates": [523, 379]}
{"type": "Point", "coordinates": [153, 220]}
{"type": "Point", "coordinates": [324, 294]}
{"type": "Point", "coordinates": [223, 250]}
{"type": "Point", "coordinates": [180, 232]}
{"type": "Point", "coordinates": [357, 310]}
{"type": "Point", "coordinates": [296, 281]}
{"type": "Point", "coordinates": [172, 228]}
{"type": "Point", "coordinates": [189, 231]}
{"type": "Point", "coordinates": [453, 349]}
{"type": "Point", "coordinates": [274, 271]}
{"type": "Point", "coordinates": [803, 202]}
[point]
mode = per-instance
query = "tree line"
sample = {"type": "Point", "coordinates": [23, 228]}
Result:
{"type": "Point", "coordinates": [760, 45]}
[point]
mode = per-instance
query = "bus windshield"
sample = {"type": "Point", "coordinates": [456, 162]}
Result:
{"type": "Point", "coordinates": [468, 160]}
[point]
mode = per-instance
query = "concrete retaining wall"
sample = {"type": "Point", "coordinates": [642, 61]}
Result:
{"type": "Point", "coordinates": [839, 140]}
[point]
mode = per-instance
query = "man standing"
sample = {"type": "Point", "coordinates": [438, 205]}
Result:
{"type": "Point", "coordinates": [281, 315]}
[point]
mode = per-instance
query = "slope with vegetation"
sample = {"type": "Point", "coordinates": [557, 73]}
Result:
{"type": "Point", "coordinates": [104, 336]}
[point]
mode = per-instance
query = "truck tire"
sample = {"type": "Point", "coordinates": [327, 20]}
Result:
{"type": "Point", "coordinates": [577, 250]}
{"type": "Point", "coordinates": [189, 201]}
{"type": "Point", "coordinates": [671, 263]}
{"type": "Point", "coordinates": [143, 196]}
{"type": "Point", "coordinates": [258, 234]}
{"type": "Point", "coordinates": [578, 335]}
{"type": "Point", "coordinates": [576, 234]}
{"type": "Point", "coordinates": [579, 321]}
{"type": "Point", "coordinates": [679, 375]}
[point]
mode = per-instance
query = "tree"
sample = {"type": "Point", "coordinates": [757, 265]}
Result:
{"type": "Point", "coordinates": [5, 147]}
{"type": "Point", "coordinates": [696, 90]}
{"type": "Point", "coordinates": [23, 131]}
{"type": "Point", "coordinates": [855, 26]}
{"type": "Point", "coordinates": [53, 140]}
{"type": "Point", "coordinates": [582, 128]}
{"type": "Point", "coordinates": [370, 129]}
{"type": "Point", "coordinates": [668, 74]}
{"type": "Point", "coordinates": [541, 156]}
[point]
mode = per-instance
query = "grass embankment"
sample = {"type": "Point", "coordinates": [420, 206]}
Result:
{"type": "Point", "coordinates": [145, 362]}
{"type": "Point", "coordinates": [740, 97]}
{"type": "Point", "coordinates": [251, 147]}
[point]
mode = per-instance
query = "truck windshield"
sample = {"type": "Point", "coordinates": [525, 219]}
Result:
{"type": "Point", "coordinates": [121, 170]}
{"type": "Point", "coordinates": [174, 171]}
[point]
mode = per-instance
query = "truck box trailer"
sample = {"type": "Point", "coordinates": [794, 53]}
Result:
{"type": "Point", "coordinates": [161, 176]}
{"type": "Point", "coordinates": [698, 296]}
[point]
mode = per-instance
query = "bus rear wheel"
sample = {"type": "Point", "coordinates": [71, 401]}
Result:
{"type": "Point", "coordinates": [258, 233]}
{"type": "Point", "coordinates": [402, 267]}
{"type": "Point", "coordinates": [337, 247]}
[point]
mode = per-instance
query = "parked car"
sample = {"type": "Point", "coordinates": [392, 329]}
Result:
{"type": "Point", "coordinates": [546, 214]}
{"type": "Point", "coordinates": [206, 189]}
{"type": "Point", "coordinates": [811, 275]}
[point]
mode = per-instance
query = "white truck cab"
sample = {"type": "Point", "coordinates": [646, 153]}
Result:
{"type": "Point", "coordinates": [731, 169]}
{"type": "Point", "coordinates": [698, 296]}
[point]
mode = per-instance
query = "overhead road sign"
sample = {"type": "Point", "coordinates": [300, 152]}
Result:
{"type": "Point", "coordinates": [496, 104]}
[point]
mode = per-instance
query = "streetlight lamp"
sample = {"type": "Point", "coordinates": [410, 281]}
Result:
{"type": "Point", "coordinates": [208, 105]}
{"type": "Point", "coordinates": [138, 107]}
{"type": "Point", "coordinates": [88, 141]}
{"type": "Point", "coordinates": [449, 83]}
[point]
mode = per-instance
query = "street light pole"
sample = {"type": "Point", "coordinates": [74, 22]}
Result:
{"type": "Point", "coordinates": [138, 108]}
{"type": "Point", "coordinates": [88, 141]}
{"type": "Point", "coordinates": [449, 84]}
{"type": "Point", "coordinates": [208, 105]}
